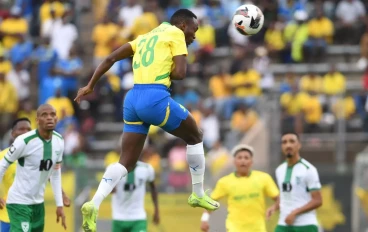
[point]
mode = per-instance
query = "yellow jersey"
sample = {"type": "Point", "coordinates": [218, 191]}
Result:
{"type": "Point", "coordinates": [7, 182]}
{"type": "Point", "coordinates": [154, 52]}
{"type": "Point", "coordinates": [246, 200]}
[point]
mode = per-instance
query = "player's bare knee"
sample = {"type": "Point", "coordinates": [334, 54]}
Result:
{"type": "Point", "coordinates": [195, 138]}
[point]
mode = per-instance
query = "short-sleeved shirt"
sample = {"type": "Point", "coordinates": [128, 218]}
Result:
{"type": "Point", "coordinates": [296, 183]}
{"type": "Point", "coordinates": [128, 200]}
{"type": "Point", "coordinates": [154, 52]}
{"type": "Point", "coordinates": [36, 160]}
{"type": "Point", "coordinates": [246, 200]}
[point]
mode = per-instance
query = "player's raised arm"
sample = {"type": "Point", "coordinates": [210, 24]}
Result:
{"type": "Point", "coordinates": [121, 53]}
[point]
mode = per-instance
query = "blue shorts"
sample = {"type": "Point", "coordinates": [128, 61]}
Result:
{"type": "Point", "coordinates": [4, 226]}
{"type": "Point", "coordinates": [151, 104]}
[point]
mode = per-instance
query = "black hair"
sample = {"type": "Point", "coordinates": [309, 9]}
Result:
{"type": "Point", "coordinates": [290, 133]}
{"type": "Point", "coordinates": [20, 120]}
{"type": "Point", "coordinates": [182, 15]}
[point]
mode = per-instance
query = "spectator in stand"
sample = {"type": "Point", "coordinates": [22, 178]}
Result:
{"type": "Point", "coordinates": [22, 51]}
{"type": "Point", "coordinates": [145, 22]}
{"type": "Point", "coordinates": [220, 87]}
{"type": "Point", "coordinates": [363, 61]}
{"type": "Point", "coordinates": [8, 103]}
{"type": "Point", "coordinates": [196, 113]}
{"type": "Point", "coordinates": [26, 7]}
{"type": "Point", "coordinates": [205, 37]}
{"type": "Point", "coordinates": [334, 82]}
{"type": "Point", "coordinates": [218, 18]}
{"type": "Point", "coordinates": [311, 82]}
{"type": "Point", "coordinates": [20, 79]}
{"type": "Point", "coordinates": [289, 81]}
{"type": "Point", "coordinates": [321, 31]}
{"type": "Point", "coordinates": [274, 39]}
{"type": "Point", "coordinates": [217, 158]}
{"type": "Point", "coordinates": [51, 6]}
{"type": "Point", "coordinates": [63, 37]}
{"type": "Point", "coordinates": [178, 176]}
{"type": "Point", "coordinates": [12, 27]}
{"type": "Point", "coordinates": [211, 127]}
{"type": "Point", "coordinates": [261, 63]}
{"type": "Point", "coordinates": [246, 85]}
{"type": "Point", "coordinates": [151, 156]}
{"type": "Point", "coordinates": [69, 70]}
{"type": "Point", "coordinates": [46, 57]}
{"type": "Point", "coordinates": [243, 119]}
{"type": "Point", "coordinates": [103, 36]}
{"type": "Point", "coordinates": [50, 24]}
{"type": "Point", "coordinates": [122, 36]}
{"type": "Point", "coordinates": [27, 111]}
{"type": "Point", "coordinates": [292, 104]}
{"type": "Point", "coordinates": [312, 110]}
{"type": "Point", "coordinates": [350, 16]}
{"type": "Point", "coordinates": [296, 34]}
{"type": "Point", "coordinates": [287, 8]}
{"type": "Point", "coordinates": [173, 6]}
{"type": "Point", "coordinates": [5, 64]}
{"type": "Point", "coordinates": [130, 12]}
{"type": "Point", "coordinates": [62, 105]}
{"type": "Point", "coordinates": [344, 108]}
{"type": "Point", "coordinates": [199, 9]}
{"type": "Point", "coordinates": [185, 96]}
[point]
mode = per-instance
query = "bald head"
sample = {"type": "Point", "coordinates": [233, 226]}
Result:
{"type": "Point", "coordinates": [44, 107]}
{"type": "Point", "coordinates": [46, 117]}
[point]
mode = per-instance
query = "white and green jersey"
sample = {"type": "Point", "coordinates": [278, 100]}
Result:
{"type": "Point", "coordinates": [295, 184]}
{"type": "Point", "coordinates": [36, 160]}
{"type": "Point", "coordinates": [128, 200]}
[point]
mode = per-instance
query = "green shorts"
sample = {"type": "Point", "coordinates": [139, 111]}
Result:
{"type": "Point", "coordinates": [26, 218]}
{"type": "Point", "coordinates": [309, 228]}
{"type": "Point", "coordinates": [129, 226]}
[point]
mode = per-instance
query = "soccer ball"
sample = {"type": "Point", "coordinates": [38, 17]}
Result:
{"type": "Point", "coordinates": [248, 19]}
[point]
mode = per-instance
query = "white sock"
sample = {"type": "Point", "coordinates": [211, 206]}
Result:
{"type": "Point", "coordinates": [111, 177]}
{"type": "Point", "coordinates": [196, 162]}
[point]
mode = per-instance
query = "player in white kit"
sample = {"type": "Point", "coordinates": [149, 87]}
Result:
{"type": "Point", "coordinates": [300, 186]}
{"type": "Point", "coordinates": [128, 211]}
{"type": "Point", "coordinates": [39, 154]}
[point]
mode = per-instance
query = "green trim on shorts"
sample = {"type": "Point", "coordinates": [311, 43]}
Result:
{"type": "Point", "coordinates": [307, 228]}
{"type": "Point", "coordinates": [131, 226]}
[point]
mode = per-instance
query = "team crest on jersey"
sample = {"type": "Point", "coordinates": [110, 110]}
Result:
{"type": "Point", "coordinates": [298, 180]}
{"type": "Point", "coordinates": [25, 226]}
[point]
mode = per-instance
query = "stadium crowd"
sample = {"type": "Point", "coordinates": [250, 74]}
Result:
{"type": "Point", "coordinates": [43, 59]}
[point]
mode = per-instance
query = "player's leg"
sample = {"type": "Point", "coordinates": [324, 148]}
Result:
{"type": "Point", "coordinates": [20, 217]}
{"type": "Point", "coordinates": [38, 217]}
{"type": "Point", "coordinates": [180, 123]}
{"type": "Point", "coordinates": [139, 226]}
{"type": "Point", "coordinates": [134, 136]}
{"type": "Point", "coordinates": [4, 226]}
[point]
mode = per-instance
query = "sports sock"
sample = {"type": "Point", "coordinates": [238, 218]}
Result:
{"type": "Point", "coordinates": [196, 162]}
{"type": "Point", "coordinates": [109, 180]}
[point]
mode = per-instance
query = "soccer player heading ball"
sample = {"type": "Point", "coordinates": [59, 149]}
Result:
{"type": "Point", "coordinates": [158, 58]}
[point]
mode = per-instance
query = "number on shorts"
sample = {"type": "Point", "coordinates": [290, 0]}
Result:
{"type": "Point", "coordinates": [148, 52]}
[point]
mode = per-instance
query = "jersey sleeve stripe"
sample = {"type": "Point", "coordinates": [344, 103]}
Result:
{"type": "Point", "coordinates": [314, 189]}
{"type": "Point", "coordinates": [133, 123]}
{"type": "Point", "coordinates": [59, 162]}
{"type": "Point", "coordinates": [29, 138]}
{"type": "Point", "coordinates": [7, 160]}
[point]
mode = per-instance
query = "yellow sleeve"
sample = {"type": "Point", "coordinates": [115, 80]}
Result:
{"type": "Point", "coordinates": [342, 81]}
{"type": "Point", "coordinates": [285, 99]}
{"type": "Point", "coordinates": [270, 188]}
{"type": "Point", "coordinates": [329, 28]}
{"type": "Point", "coordinates": [44, 12]}
{"type": "Point", "coordinates": [13, 98]}
{"type": "Point", "coordinates": [177, 43]}
{"type": "Point", "coordinates": [220, 190]}
{"type": "Point", "coordinates": [94, 34]}
{"type": "Point", "coordinates": [133, 43]}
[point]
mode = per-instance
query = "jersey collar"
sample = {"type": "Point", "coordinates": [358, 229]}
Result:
{"type": "Point", "coordinates": [43, 140]}
{"type": "Point", "coordinates": [250, 173]}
